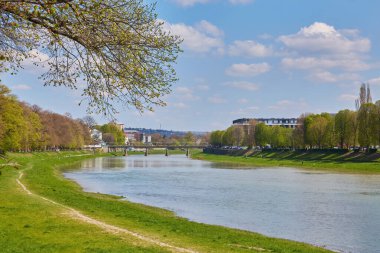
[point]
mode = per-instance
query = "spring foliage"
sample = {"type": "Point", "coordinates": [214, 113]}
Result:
{"type": "Point", "coordinates": [28, 128]}
{"type": "Point", "coordinates": [117, 49]}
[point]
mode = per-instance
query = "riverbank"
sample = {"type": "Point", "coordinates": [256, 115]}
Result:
{"type": "Point", "coordinates": [347, 162]}
{"type": "Point", "coordinates": [59, 217]}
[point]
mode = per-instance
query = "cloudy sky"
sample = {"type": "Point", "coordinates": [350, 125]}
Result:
{"type": "Point", "coordinates": [249, 58]}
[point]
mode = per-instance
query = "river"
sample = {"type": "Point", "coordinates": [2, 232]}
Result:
{"type": "Point", "coordinates": [337, 211]}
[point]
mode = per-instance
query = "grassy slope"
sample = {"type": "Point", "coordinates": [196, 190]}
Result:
{"type": "Point", "coordinates": [339, 162]}
{"type": "Point", "coordinates": [29, 224]}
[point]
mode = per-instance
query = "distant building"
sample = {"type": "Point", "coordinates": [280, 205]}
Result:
{"type": "Point", "coordinates": [147, 139]}
{"type": "Point", "coordinates": [283, 122]}
{"type": "Point", "coordinates": [131, 136]}
{"type": "Point", "coordinates": [96, 135]}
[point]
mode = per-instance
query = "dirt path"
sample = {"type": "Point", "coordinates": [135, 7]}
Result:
{"type": "Point", "coordinates": [75, 214]}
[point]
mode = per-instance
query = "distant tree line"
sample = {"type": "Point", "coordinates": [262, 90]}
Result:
{"type": "Point", "coordinates": [177, 140]}
{"type": "Point", "coordinates": [28, 128]}
{"type": "Point", "coordinates": [344, 129]}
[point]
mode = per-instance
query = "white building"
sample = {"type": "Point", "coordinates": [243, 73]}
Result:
{"type": "Point", "coordinates": [96, 135]}
{"type": "Point", "coordinates": [284, 122]}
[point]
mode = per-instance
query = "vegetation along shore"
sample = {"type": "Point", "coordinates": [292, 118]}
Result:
{"type": "Point", "coordinates": [327, 160]}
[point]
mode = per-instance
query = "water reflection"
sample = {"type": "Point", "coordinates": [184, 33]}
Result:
{"type": "Point", "coordinates": [100, 164]}
{"type": "Point", "coordinates": [340, 211]}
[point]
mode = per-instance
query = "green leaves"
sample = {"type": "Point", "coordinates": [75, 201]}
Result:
{"type": "Point", "coordinates": [117, 47]}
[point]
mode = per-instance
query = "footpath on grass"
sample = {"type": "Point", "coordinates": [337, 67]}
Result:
{"type": "Point", "coordinates": [75, 214]}
{"type": "Point", "coordinates": [41, 211]}
{"type": "Point", "coordinates": [329, 160]}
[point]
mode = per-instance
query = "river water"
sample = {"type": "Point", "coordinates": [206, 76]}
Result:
{"type": "Point", "coordinates": [337, 211]}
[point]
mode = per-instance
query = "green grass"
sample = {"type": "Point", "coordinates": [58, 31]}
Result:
{"type": "Point", "coordinates": [323, 160]}
{"type": "Point", "coordinates": [31, 224]}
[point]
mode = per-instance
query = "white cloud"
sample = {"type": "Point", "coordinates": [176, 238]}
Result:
{"type": "Point", "coordinates": [179, 105]}
{"type": "Point", "coordinates": [320, 37]}
{"type": "Point", "coordinates": [311, 63]}
{"type": "Point", "coordinates": [37, 62]}
{"type": "Point", "coordinates": [327, 53]}
{"type": "Point", "coordinates": [246, 111]}
{"type": "Point", "coordinates": [374, 81]}
{"type": "Point", "coordinates": [21, 87]}
{"type": "Point", "coordinates": [217, 100]}
{"type": "Point", "coordinates": [288, 105]}
{"type": "Point", "coordinates": [208, 28]}
{"type": "Point", "coordinates": [249, 48]}
{"type": "Point", "coordinates": [326, 76]}
{"type": "Point", "coordinates": [347, 97]}
{"type": "Point", "coordinates": [244, 85]}
{"type": "Point", "coordinates": [184, 93]}
{"type": "Point", "coordinates": [202, 87]}
{"type": "Point", "coordinates": [203, 37]}
{"type": "Point", "coordinates": [248, 69]}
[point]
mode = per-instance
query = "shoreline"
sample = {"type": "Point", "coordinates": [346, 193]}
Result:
{"type": "Point", "coordinates": [44, 177]}
{"type": "Point", "coordinates": [324, 162]}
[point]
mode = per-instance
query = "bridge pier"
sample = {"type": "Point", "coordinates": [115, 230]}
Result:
{"type": "Point", "coordinates": [187, 152]}
{"type": "Point", "coordinates": [146, 152]}
{"type": "Point", "coordinates": [125, 152]}
{"type": "Point", "coordinates": [166, 152]}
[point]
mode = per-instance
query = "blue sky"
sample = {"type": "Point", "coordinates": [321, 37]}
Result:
{"type": "Point", "coordinates": [248, 58]}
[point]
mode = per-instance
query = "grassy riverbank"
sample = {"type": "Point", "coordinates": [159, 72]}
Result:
{"type": "Point", "coordinates": [322, 160]}
{"type": "Point", "coordinates": [29, 223]}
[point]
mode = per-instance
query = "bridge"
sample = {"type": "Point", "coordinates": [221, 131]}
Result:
{"type": "Point", "coordinates": [125, 148]}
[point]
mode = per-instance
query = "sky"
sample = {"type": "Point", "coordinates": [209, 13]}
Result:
{"type": "Point", "coordinates": [247, 59]}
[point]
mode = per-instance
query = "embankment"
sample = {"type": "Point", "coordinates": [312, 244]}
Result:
{"type": "Point", "coordinates": [329, 159]}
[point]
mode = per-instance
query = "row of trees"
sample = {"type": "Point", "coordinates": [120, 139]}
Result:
{"type": "Point", "coordinates": [176, 140]}
{"type": "Point", "coordinates": [26, 128]}
{"type": "Point", "coordinates": [344, 129]}
{"type": "Point", "coordinates": [254, 134]}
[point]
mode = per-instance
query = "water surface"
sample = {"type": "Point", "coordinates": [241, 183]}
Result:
{"type": "Point", "coordinates": [337, 211]}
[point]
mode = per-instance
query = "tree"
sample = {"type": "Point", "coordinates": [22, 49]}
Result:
{"type": "Point", "coordinates": [216, 138]}
{"type": "Point", "coordinates": [89, 121]}
{"type": "Point", "coordinates": [114, 130]}
{"type": "Point", "coordinates": [377, 122]}
{"type": "Point", "coordinates": [31, 135]}
{"type": "Point", "coordinates": [119, 49]}
{"type": "Point", "coordinates": [345, 128]}
{"type": "Point", "coordinates": [319, 130]}
{"type": "Point", "coordinates": [367, 124]}
{"type": "Point", "coordinates": [280, 137]}
{"type": "Point", "coordinates": [261, 134]}
{"type": "Point", "coordinates": [238, 135]}
{"type": "Point", "coordinates": [249, 133]}
{"type": "Point", "coordinates": [365, 94]}
{"type": "Point", "coordinates": [189, 138]}
{"type": "Point", "coordinates": [299, 139]}
{"type": "Point", "coordinates": [228, 138]}
{"type": "Point", "coordinates": [12, 122]}
{"type": "Point", "coordinates": [108, 138]}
